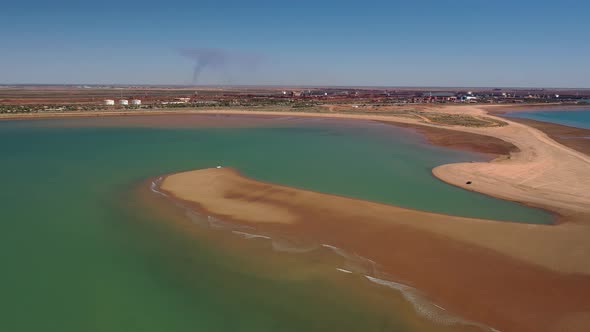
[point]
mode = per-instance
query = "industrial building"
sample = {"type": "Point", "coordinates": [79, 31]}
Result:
{"type": "Point", "coordinates": [109, 102]}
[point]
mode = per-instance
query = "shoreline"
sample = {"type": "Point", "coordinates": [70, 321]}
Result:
{"type": "Point", "coordinates": [539, 172]}
{"type": "Point", "coordinates": [330, 111]}
{"type": "Point", "coordinates": [469, 252]}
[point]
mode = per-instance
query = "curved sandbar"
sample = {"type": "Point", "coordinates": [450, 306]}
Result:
{"type": "Point", "coordinates": [543, 173]}
{"type": "Point", "coordinates": [514, 277]}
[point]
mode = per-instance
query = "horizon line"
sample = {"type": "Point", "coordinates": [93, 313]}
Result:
{"type": "Point", "coordinates": [298, 86]}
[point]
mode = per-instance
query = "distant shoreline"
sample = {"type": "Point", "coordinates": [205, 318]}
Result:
{"type": "Point", "coordinates": [495, 109]}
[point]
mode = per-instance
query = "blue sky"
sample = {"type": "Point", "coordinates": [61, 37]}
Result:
{"type": "Point", "coordinates": [386, 43]}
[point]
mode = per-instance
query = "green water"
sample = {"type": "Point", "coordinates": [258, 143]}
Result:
{"type": "Point", "coordinates": [575, 118]}
{"type": "Point", "coordinates": [78, 253]}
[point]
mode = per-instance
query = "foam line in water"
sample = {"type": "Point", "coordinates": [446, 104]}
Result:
{"type": "Point", "coordinates": [249, 236]}
{"type": "Point", "coordinates": [355, 262]}
{"type": "Point", "coordinates": [425, 308]}
{"type": "Point", "coordinates": [278, 244]}
{"type": "Point", "coordinates": [343, 270]}
{"type": "Point", "coordinates": [285, 245]}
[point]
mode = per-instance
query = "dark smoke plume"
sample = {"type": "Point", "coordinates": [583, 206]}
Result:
{"type": "Point", "coordinates": [219, 59]}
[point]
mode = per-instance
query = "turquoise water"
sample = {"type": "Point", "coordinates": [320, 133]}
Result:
{"type": "Point", "coordinates": [79, 253]}
{"type": "Point", "coordinates": [575, 118]}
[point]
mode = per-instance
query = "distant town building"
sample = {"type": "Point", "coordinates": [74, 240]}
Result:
{"type": "Point", "coordinates": [439, 96]}
{"type": "Point", "coordinates": [109, 102]}
{"type": "Point", "coordinates": [136, 102]}
{"type": "Point", "coordinates": [124, 102]}
{"type": "Point", "coordinates": [314, 93]}
{"type": "Point", "coordinates": [468, 98]}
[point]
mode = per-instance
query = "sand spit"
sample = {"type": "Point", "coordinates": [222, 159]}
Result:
{"type": "Point", "coordinates": [572, 137]}
{"type": "Point", "coordinates": [514, 277]}
{"type": "Point", "coordinates": [543, 173]}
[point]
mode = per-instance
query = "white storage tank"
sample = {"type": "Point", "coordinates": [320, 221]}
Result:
{"type": "Point", "coordinates": [123, 102]}
{"type": "Point", "coordinates": [136, 102]}
{"type": "Point", "coordinates": [109, 102]}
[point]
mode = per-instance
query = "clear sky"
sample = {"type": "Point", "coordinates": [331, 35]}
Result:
{"type": "Point", "coordinates": [388, 43]}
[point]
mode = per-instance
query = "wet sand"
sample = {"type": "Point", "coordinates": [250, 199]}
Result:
{"type": "Point", "coordinates": [510, 276]}
{"type": "Point", "coordinates": [462, 140]}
